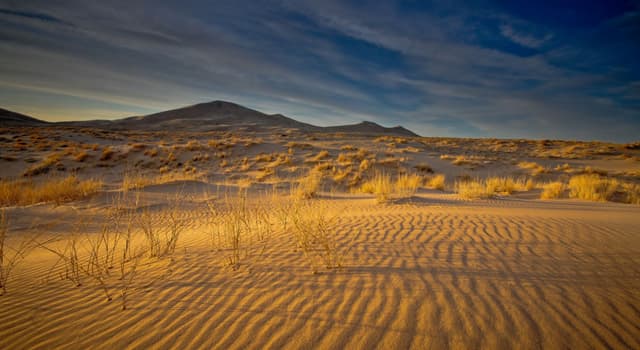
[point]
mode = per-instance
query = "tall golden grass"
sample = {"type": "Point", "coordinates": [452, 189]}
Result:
{"type": "Point", "coordinates": [58, 190]}
{"type": "Point", "coordinates": [592, 187]}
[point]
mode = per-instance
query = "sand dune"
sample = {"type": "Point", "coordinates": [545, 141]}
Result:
{"type": "Point", "coordinates": [435, 272]}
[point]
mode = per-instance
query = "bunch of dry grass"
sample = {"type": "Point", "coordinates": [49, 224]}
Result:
{"type": "Point", "coordinates": [239, 230]}
{"type": "Point", "coordinates": [380, 185]}
{"type": "Point", "coordinates": [552, 190]}
{"type": "Point", "coordinates": [473, 189]}
{"type": "Point", "coordinates": [632, 192]}
{"type": "Point", "coordinates": [81, 156]}
{"type": "Point", "coordinates": [314, 235]}
{"type": "Point", "coordinates": [318, 157]}
{"type": "Point", "coordinates": [437, 182]}
{"type": "Point", "coordinates": [193, 145]}
{"type": "Point", "coordinates": [534, 167]}
{"type": "Point", "coordinates": [478, 188]}
{"type": "Point", "coordinates": [43, 166]}
{"type": "Point", "coordinates": [58, 190]}
{"type": "Point", "coordinates": [162, 228]}
{"type": "Point", "coordinates": [407, 185]}
{"type": "Point", "coordinates": [592, 187]}
{"type": "Point", "coordinates": [107, 153]}
{"type": "Point", "coordinates": [308, 186]}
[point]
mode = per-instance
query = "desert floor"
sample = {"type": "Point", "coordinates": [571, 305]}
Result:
{"type": "Point", "coordinates": [427, 271]}
{"type": "Point", "coordinates": [434, 272]}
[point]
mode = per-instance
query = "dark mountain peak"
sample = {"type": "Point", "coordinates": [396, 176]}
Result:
{"type": "Point", "coordinates": [10, 118]}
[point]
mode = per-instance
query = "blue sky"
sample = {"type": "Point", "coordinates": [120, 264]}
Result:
{"type": "Point", "coordinates": [543, 69]}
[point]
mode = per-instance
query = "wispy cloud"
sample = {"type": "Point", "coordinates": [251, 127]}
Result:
{"type": "Point", "coordinates": [441, 69]}
{"type": "Point", "coordinates": [522, 38]}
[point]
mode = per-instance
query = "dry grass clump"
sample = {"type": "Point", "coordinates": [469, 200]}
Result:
{"type": "Point", "coordinates": [137, 147]}
{"type": "Point", "coordinates": [472, 189]}
{"type": "Point", "coordinates": [348, 148]}
{"type": "Point", "coordinates": [407, 185]}
{"type": "Point", "coordinates": [107, 153]}
{"type": "Point", "coordinates": [365, 164]}
{"type": "Point", "coordinates": [299, 145]}
{"type": "Point", "coordinates": [592, 187]}
{"type": "Point", "coordinates": [318, 157]}
{"type": "Point", "coordinates": [265, 157]}
{"type": "Point", "coordinates": [385, 189]}
{"type": "Point", "coordinates": [534, 167]}
{"type": "Point", "coordinates": [134, 181]}
{"type": "Point", "coordinates": [44, 166]}
{"type": "Point", "coordinates": [193, 145]}
{"type": "Point", "coordinates": [58, 190]}
{"type": "Point", "coordinates": [308, 186]}
{"type": "Point", "coordinates": [502, 185]}
{"type": "Point", "coordinates": [632, 192]}
{"type": "Point", "coordinates": [314, 235]}
{"type": "Point", "coordinates": [437, 182]}
{"type": "Point", "coordinates": [151, 152]}
{"type": "Point", "coordinates": [477, 189]}
{"type": "Point", "coordinates": [380, 185]}
{"type": "Point", "coordinates": [553, 190]}
{"type": "Point", "coordinates": [81, 156]}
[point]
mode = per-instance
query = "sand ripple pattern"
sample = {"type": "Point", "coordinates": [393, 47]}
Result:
{"type": "Point", "coordinates": [418, 275]}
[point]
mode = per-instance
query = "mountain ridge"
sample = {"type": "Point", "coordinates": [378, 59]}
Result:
{"type": "Point", "coordinates": [208, 116]}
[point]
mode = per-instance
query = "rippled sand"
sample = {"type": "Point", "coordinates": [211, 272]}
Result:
{"type": "Point", "coordinates": [433, 272]}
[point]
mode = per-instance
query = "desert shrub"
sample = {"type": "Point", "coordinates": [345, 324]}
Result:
{"type": "Point", "coordinates": [135, 180]}
{"type": "Point", "coordinates": [137, 147]}
{"type": "Point", "coordinates": [477, 188]}
{"type": "Point", "coordinates": [348, 148]}
{"type": "Point", "coordinates": [365, 164]}
{"type": "Point", "coordinates": [503, 185]}
{"type": "Point", "coordinates": [43, 166]}
{"type": "Point", "coordinates": [193, 145]}
{"type": "Point", "coordinates": [340, 175]}
{"type": "Point", "coordinates": [58, 190]}
{"type": "Point", "coordinates": [107, 153]}
{"type": "Point", "coordinates": [592, 187]}
{"type": "Point", "coordinates": [552, 190]}
{"type": "Point", "coordinates": [407, 185]}
{"type": "Point", "coordinates": [437, 182]}
{"type": "Point", "coordinates": [534, 167]}
{"type": "Point", "coordinates": [314, 235]}
{"type": "Point", "coordinates": [318, 157]}
{"type": "Point", "coordinates": [308, 186]}
{"type": "Point", "coordinates": [81, 156]}
{"type": "Point", "coordinates": [473, 189]}
{"type": "Point", "coordinates": [632, 192]}
{"type": "Point", "coordinates": [380, 185]}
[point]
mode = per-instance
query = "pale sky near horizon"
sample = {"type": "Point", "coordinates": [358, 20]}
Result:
{"type": "Point", "coordinates": [543, 69]}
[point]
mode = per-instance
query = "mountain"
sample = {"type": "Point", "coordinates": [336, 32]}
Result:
{"type": "Point", "coordinates": [9, 118]}
{"type": "Point", "coordinates": [370, 128]}
{"type": "Point", "coordinates": [216, 115]}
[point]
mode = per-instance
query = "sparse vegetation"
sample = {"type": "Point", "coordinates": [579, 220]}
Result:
{"type": "Point", "coordinates": [57, 190]}
{"type": "Point", "coordinates": [308, 186]}
{"type": "Point", "coordinates": [552, 190]}
{"type": "Point", "coordinates": [592, 187]}
{"type": "Point", "coordinates": [437, 182]}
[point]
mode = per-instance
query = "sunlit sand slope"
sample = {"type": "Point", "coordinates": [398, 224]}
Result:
{"type": "Point", "coordinates": [432, 273]}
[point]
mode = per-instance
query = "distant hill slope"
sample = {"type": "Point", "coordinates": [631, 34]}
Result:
{"type": "Point", "coordinates": [211, 114]}
{"type": "Point", "coordinates": [370, 128]}
{"type": "Point", "coordinates": [9, 118]}
{"type": "Point", "coordinates": [216, 115]}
